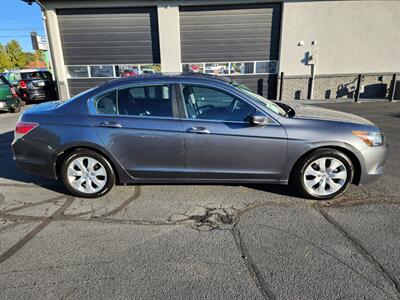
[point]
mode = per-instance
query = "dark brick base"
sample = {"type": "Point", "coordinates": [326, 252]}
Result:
{"type": "Point", "coordinates": [336, 86]}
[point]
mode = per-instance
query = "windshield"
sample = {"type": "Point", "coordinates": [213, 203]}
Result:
{"type": "Point", "coordinates": [36, 75]}
{"type": "Point", "coordinates": [260, 99]}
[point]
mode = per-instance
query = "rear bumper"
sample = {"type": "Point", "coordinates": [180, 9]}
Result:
{"type": "Point", "coordinates": [39, 95]}
{"type": "Point", "coordinates": [374, 159]}
{"type": "Point", "coordinates": [7, 105]}
{"type": "Point", "coordinates": [30, 158]}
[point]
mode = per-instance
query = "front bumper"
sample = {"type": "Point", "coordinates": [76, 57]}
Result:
{"type": "Point", "coordinates": [373, 162]}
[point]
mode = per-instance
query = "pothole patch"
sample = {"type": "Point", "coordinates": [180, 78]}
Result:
{"type": "Point", "coordinates": [208, 217]}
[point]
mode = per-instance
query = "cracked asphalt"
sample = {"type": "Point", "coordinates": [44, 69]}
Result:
{"type": "Point", "coordinates": [201, 241]}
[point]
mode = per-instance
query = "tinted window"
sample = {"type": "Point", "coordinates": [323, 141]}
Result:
{"type": "Point", "coordinates": [211, 104]}
{"type": "Point", "coordinates": [36, 75]}
{"type": "Point", "coordinates": [154, 101]}
{"type": "Point", "coordinates": [106, 104]}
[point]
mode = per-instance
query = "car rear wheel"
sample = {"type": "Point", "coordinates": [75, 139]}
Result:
{"type": "Point", "coordinates": [16, 109]}
{"type": "Point", "coordinates": [324, 174]}
{"type": "Point", "coordinates": [87, 174]}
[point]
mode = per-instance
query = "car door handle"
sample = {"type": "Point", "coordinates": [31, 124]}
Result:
{"type": "Point", "coordinates": [199, 130]}
{"type": "Point", "coordinates": [110, 124]}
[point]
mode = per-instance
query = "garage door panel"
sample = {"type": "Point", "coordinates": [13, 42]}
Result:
{"type": "Point", "coordinates": [207, 26]}
{"type": "Point", "coordinates": [233, 33]}
{"type": "Point", "coordinates": [94, 59]}
{"type": "Point", "coordinates": [77, 86]}
{"type": "Point", "coordinates": [216, 34]}
{"type": "Point", "coordinates": [91, 36]}
{"type": "Point", "coordinates": [111, 50]}
{"type": "Point", "coordinates": [99, 37]}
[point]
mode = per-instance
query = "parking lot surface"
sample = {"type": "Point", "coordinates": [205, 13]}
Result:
{"type": "Point", "coordinates": [201, 241]}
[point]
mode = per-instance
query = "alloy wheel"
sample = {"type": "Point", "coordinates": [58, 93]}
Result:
{"type": "Point", "coordinates": [87, 175]}
{"type": "Point", "coordinates": [325, 176]}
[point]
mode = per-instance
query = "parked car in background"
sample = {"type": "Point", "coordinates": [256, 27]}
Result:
{"type": "Point", "coordinates": [194, 128]}
{"type": "Point", "coordinates": [33, 85]}
{"type": "Point", "coordinates": [9, 99]}
{"type": "Point", "coordinates": [129, 73]}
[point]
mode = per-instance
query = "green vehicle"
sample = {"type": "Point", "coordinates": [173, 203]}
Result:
{"type": "Point", "coordinates": [9, 99]}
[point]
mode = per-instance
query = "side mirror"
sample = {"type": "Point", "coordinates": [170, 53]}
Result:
{"type": "Point", "coordinates": [258, 120]}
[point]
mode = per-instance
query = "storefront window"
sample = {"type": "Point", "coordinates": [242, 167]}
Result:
{"type": "Point", "coordinates": [266, 67]}
{"type": "Point", "coordinates": [150, 69]}
{"type": "Point", "coordinates": [216, 69]}
{"type": "Point", "coordinates": [242, 68]}
{"type": "Point", "coordinates": [192, 68]}
{"type": "Point", "coordinates": [101, 71]}
{"type": "Point", "coordinates": [77, 71]}
{"type": "Point", "coordinates": [232, 68]}
{"type": "Point", "coordinates": [126, 70]}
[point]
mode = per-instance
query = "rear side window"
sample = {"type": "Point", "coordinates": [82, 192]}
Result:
{"type": "Point", "coordinates": [152, 101]}
{"type": "Point", "coordinates": [106, 104]}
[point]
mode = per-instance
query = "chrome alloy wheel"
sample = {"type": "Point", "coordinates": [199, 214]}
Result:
{"type": "Point", "coordinates": [87, 175]}
{"type": "Point", "coordinates": [325, 176]}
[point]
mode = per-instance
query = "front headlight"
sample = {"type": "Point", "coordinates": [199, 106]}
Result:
{"type": "Point", "coordinates": [372, 139]}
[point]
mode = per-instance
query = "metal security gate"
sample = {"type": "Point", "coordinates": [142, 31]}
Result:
{"type": "Point", "coordinates": [239, 41]}
{"type": "Point", "coordinates": [101, 44]}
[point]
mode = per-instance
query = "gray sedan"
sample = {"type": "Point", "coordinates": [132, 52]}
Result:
{"type": "Point", "coordinates": [194, 129]}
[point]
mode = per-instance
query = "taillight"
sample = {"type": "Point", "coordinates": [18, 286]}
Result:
{"type": "Point", "coordinates": [13, 92]}
{"type": "Point", "coordinates": [22, 84]}
{"type": "Point", "coordinates": [23, 128]}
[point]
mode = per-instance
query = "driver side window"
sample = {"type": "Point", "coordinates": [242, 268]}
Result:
{"type": "Point", "coordinates": [204, 103]}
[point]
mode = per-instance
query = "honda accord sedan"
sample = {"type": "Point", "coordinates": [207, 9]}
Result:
{"type": "Point", "coordinates": [181, 128]}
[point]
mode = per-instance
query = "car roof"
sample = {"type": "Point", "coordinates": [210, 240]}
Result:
{"type": "Point", "coordinates": [165, 76]}
{"type": "Point", "coordinates": [26, 71]}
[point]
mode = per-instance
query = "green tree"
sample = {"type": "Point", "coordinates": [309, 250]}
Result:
{"type": "Point", "coordinates": [30, 57]}
{"type": "Point", "coordinates": [5, 62]}
{"type": "Point", "coordinates": [17, 56]}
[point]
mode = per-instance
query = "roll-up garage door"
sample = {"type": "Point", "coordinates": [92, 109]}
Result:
{"type": "Point", "coordinates": [239, 41]}
{"type": "Point", "coordinates": [101, 44]}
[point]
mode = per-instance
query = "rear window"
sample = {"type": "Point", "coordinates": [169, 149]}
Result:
{"type": "Point", "coordinates": [36, 75]}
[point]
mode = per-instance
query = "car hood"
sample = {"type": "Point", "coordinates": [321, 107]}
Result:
{"type": "Point", "coordinates": [318, 113]}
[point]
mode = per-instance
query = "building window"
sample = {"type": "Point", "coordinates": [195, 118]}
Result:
{"type": "Point", "coordinates": [233, 68]}
{"type": "Point", "coordinates": [111, 71]}
{"type": "Point", "coordinates": [77, 71]}
{"type": "Point", "coordinates": [266, 67]}
{"type": "Point", "coordinates": [242, 68]}
{"type": "Point", "coordinates": [101, 71]}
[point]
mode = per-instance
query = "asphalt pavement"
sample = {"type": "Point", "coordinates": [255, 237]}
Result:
{"type": "Point", "coordinates": [201, 241]}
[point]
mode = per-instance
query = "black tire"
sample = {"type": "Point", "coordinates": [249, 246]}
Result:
{"type": "Point", "coordinates": [110, 181]}
{"type": "Point", "coordinates": [297, 176]}
{"type": "Point", "coordinates": [16, 109]}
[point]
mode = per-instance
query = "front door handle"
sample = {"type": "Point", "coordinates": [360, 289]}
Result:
{"type": "Point", "coordinates": [111, 124]}
{"type": "Point", "coordinates": [199, 130]}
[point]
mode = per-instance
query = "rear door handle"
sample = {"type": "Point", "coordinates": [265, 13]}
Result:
{"type": "Point", "coordinates": [111, 124]}
{"type": "Point", "coordinates": [199, 130]}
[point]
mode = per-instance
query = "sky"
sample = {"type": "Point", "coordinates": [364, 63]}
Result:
{"type": "Point", "coordinates": [17, 20]}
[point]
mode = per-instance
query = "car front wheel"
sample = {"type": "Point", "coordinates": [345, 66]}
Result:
{"type": "Point", "coordinates": [324, 174]}
{"type": "Point", "coordinates": [87, 174]}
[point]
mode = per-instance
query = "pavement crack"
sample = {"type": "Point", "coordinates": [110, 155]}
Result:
{"type": "Point", "coordinates": [31, 234]}
{"type": "Point", "coordinates": [254, 271]}
{"type": "Point", "coordinates": [389, 278]}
